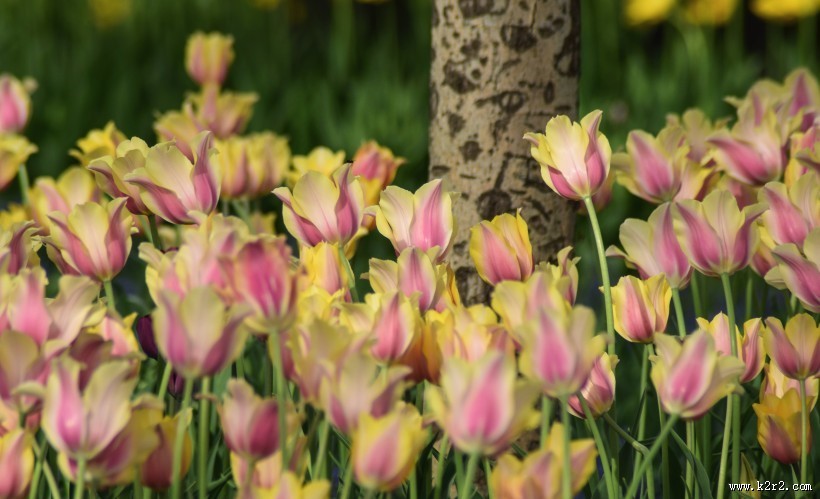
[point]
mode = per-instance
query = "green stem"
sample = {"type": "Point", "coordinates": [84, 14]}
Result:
{"type": "Point", "coordinates": [163, 384]}
{"type": "Point", "coordinates": [566, 472]}
{"type": "Point", "coordinates": [282, 396]}
{"type": "Point", "coordinates": [546, 417]}
{"type": "Point", "coordinates": [724, 450]}
{"type": "Point", "coordinates": [22, 176]}
{"type": "Point", "coordinates": [642, 406]}
{"type": "Point", "coordinates": [442, 453]}
{"type": "Point", "coordinates": [733, 399]}
{"type": "Point", "coordinates": [240, 367]}
{"type": "Point", "coordinates": [690, 443]}
{"type": "Point", "coordinates": [637, 445]}
{"type": "Point", "coordinates": [599, 244]}
{"type": "Point", "coordinates": [38, 468]}
{"type": "Point", "coordinates": [640, 448]}
{"type": "Point", "coordinates": [202, 447]}
{"type": "Point", "coordinates": [80, 482]}
{"type": "Point", "coordinates": [653, 451]}
{"type": "Point", "coordinates": [351, 277]}
{"type": "Point", "coordinates": [750, 284]}
{"type": "Point", "coordinates": [804, 433]}
{"type": "Point", "coordinates": [414, 493]}
{"type": "Point", "coordinates": [152, 225]}
{"type": "Point", "coordinates": [488, 470]}
{"type": "Point", "coordinates": [694, 283]}
{"type": "Point", "coordinates": [599, 442]}
{"type": "Point", "coordinates": [348, 481]}
{"type": "Point", "coordinates": [320, 458]}
{"type": "Point", "coordinates": [109, 295]}
{"type": "Point", "coordinates": [179, 441]}
{"type": "Point", "coordinates": [679, 312]}
{"type": "Point", "coordinates": [466, 488]}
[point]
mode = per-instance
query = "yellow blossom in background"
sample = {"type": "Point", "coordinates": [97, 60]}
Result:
{"type": "Point", "coordinates": [709, 12]}
{"type": "Point", "coordinates": [321, 159]}
{"type": "Point", "coordinates": [784, 10]}
{"type": "Point", "coordinates": [109, 13]}
{"type": "Point", "coordinates": [14, 151]}
{"type": "Point", "coordinates": [98, 143]}
{"type": "Point", "coordinates": [12, 215]}
{"type": "Point", "coordinates": [642, 12]}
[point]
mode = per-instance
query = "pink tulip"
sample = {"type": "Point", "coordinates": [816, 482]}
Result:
{"type": "Point", "coordinates": [793, 212]}
{"type": "Point", "coordinates": [519, 302]}
{"type": "Point", "coordinates": [21, 361]}
{"type": "Point", "coordinates": [208, 57]}
{"type": "Point", "coordinates": [415, 274]}
{"type": "Point", "coordinates": [574, 157]}
{"type": "Point", "coordinates": [796, 349]}
{"type": "Point", "coordinates": [653, 249]}
{"type": "Point", "coordinates": [323, 209]}
{"type": "Point", "coordinates": [564, 272]}
{"type": "Point", "coordinates": [716, 236]}
{"type": "Point", "coordinates": [396, 323]}
{"type": "Point", "coordinates": [799, 272]}
{"type": "Point", "coordinates": [749, 343]}
{"type": "Point", "coordinates": [423, 220]}
{"type": "Point", "coordinates": [73, 187]}
{"type": "Point", "coordinates": [156, 472]}
{"type": "Point", "coordinates": [501, 249]}
{"type": "Point", "coordinates": [376, 168]}
{"type": "Point", "coordinates": [325, 270]}
{"type": "Point", "coordinates": [18, 247]}
{"type": "Point", "coordinates": [599, 389]}
{"type": "Point", "coordinates": [640, 309]}
{"type": "Point", "coordinates": [17, 463]}
{"type": "Point", "coordinates": [15, 104]}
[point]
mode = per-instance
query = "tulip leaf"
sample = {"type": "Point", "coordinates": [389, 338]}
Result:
{"type": "Point", "coordinates": [700, 472]}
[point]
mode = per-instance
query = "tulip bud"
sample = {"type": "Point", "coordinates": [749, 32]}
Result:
{"type": "Point", "coordinates": [390, 319]}
{"type": "Point", "coordinates": [14, 151]}
{"type": "Point", "coordinates": [776, 384]}
{"type": "Point", "coordinates": [574, 157]}
{"type": "Point", "coordinates": [97, 144]}
{"type": "Point", "coordinates": [15, 103]}
{"type": "Point", "coordinates": [501, 249]}
{"type": "Point", "coordinates": [110, 171]}
{"type": "Point", "coordinates": [640, 308]}
{"type": "Point", "coordinates": [145, 336]}
{"type": "Point", "coordinates": [17, 463]}
{"type": "Point", "coordinates": [779, 427]}
{"type": "Point", "coordinates": [321, 159]}
{"type": "Point", "coordinates": [793, 212]}
{"type": "Point", "coordinates": [749, 344]}
{"type": "Point", "coordinates": [156, 472]}
{"type": "Point", "coordinates": [795, 350]}
{"type": "Point", "coordinates": [416, 275]}
{"type": "Point", "coordinates": [376, 168]}
{"type": "Point", "coordinates": [251, 166]}
{"type": "Point", "coordinates": [599, 389]}
{"type": "Point", "coordinates": [208, 57]}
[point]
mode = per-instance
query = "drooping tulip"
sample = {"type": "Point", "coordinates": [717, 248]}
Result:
{"type": "Point", "coordinates": [501, 249]}
{"type": "Point", "coordinates": [110, 172]}
{"type": "Point", "coordinates": [156, 472]}
{"type": "Point", "coordinates": [208, 57]}
{"type": "Point", "coordinates": [599, 390]}
{"type": "Point", "coordinates": [322, 208]}
{"type": "Point", "coordinates": [82, 421]}
{"type": "Point", "coordinates": [172, 185]}
{"type": "Point", "coordinates": [795, 349]}
{"type": "Point", "coordinates": [793, 212]}
{"type": "Point", "coordinates": [539, 474]}
{"type": "Point", "coordinates": [197, 333]}
{"type": "Point", "coordinates": [749, 343]}
{"type": "Point", "coordinates": [14, 151]}
{"type": "Point", "coordinates": [690, 377]}
{"type": "Point", "coordinates": [481, 405]}
{"type": "Point", "coordinates": [384, 449]}
{"type": "Point", "coordinates": [15, 103]}
{"type": "Point", "coordinates": [17, 463]}
{"type": "Point", "coordinates": [779, 426]}
{"type": "Point", "coordinates": [415, 274]}
{"type": "Point", "coordinates": [799, 272]}
{"type": "Point", "coordinates": [97, 144]}
{"type": "Point", "coordinates": [716, 236]}
{"type": "Point", "coordinates": [92, 240]}
{"type": "Point", "coordinates": [560, 348]}
{"type": "Point", "coordinates": [422, 220]}
{"type": "Point", "coordinates": [74, 186]}
{"type": "Point", "coordinates": [251, 166]}
{"type": "Point", "coordinates": [376, 167]}
{"type": "Point", "coordinates": [574, 157]}
{"type": "Point", "coordinates": [640, 308]}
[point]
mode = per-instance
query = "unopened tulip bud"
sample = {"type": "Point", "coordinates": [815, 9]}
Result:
{"type": "Point", "coordinates": [779, 427]}
{"type": "Point", "coordinates": [15, 104]}
{"type": "Point", "coordinates": [208, 57]}
{"type": "Point", "coordinates": [641, 308]}
{"type": "Point", "coordinates": [17, 463]}
{"type": "Point", "coordinates": [749, 343]}
{"type": "Point", "coordinates": [145, 336]}
{"type": "Point", "coordinates": [501, 249]}
{"type": "Point", "coordinates": [376, 168]}
{"type": "Point", "coordinates": [796, 349]}
{"type": "Point", "coordinates": [599, 390]}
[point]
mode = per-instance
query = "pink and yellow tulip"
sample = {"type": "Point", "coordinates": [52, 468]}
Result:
{"type": "Point", "coordinates": [795, 349]}
{"type": "Point", "coordinates": [73, 187]}
{"type": "Point", "coordinates": [416, 275]}
{"type": "Point", "coordinates": [97, 144]}
{"type": "Point", "coordinates": [519, 302]}
{"type": "Point", "coordinates": [469, 333]}
{"type": "Point", "coordinates": [376, 167]}
{"type": "Point", "coordinates": [18, 247]}
{"type": "Point", "coordinates": [208, 57]}
{"type": "Point", "coordinates": [599, 390]}
{"type": "Point", "coordinates": [321, 160]}
{"type": "Point", "coordinates": [110, 172]}
{"type": "Point", "coordinates": [574, 157]}
{"type": "Point", "coordinates": [14, 152]}
{"type": "Point", "coordinates": [779, 426]}
{"type": "Point", "coordinates": [15, 103]}
{"type": "Point", "coordinates": [799, 272]}
{"type": "Point", "coordinates": [267, 480]}
{"type": "Point", "coordinates": [251, 166]}
{"type": "Point", "coordinates": [155, 472]}
{"type": "Point", "coordinates": [390, 320]}
{"type": "Point", "coordinates": [501, 249]}
{"type": "Point", "coordinates": [749, 342]}
{"type": "Point", "coordinates": [324, 269]}
{"type": "Point", "coordinates": [564, 272]}
{"type": "Point", "coordinates": [17, 463]}
{"type": "Point", "coordinates": [794, 211]}
{"type": "Point", "coordinates": [640, 308]}
{"type": "Point", "coordinates": [776, 384]}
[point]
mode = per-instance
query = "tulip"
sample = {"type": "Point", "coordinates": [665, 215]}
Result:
{"type": "Point", "coordinates": [501, 249]}
{"type": "Point", "coordinates": [519, 302]}
{"type": "Point", "coordinates": [641, 308]}
{"type": "Point", "coordinates": [74, 186]}
{"type": "Point", "coordinates": [376, 168]}
{"type": "Point", "coordinates": [249, 423]}
{"type": "Point", "coordinates": [469, 333]}
{"type": "Point", "coordinates": [110, 172]}
{"type": "Point", "coordinates": [560, 348]}
{"type": "Point", "coordinates": [423, 356]}
{"type": "Point", "coordinates": [145, 336]}
{"type": "Point", "coordinates": [416, 275]}
{"type": "Point", "coordinates": [481, 405]}
{"type": "Point", "coordinates": [783, 12]}
{"type": "Point", "coordinates": [716, 236]}
{"type": "Point", "coordinates": [15, 103]}
{"type": "Point", "coordinates": [14, 152]}
{"type": "Point", "coordinates": [798, 273]}
{"type": "Point", "coordinates": [423, 220]}
{"type": "Point", "coordinates": [697, 128]}
{"type": "Point", "coordinates": [690, 378]}
{"type": "Point", "coordinates": [600, 199]}
{"type": "Point", "coordinates": [98, 143]}
{"type": "Point", "coordinates": [539, 474]}
{"type": "Point", "coordinates": [709, 12]}
{"type": "Point", "coordinates": [14, 215]}
{"type": "Point", "coordinates": [793, 212]}
{"type": "Point", "coordinates": [642, 12]}
{"type": "Point", "coordinates": [18, 247]}
{"type": "Point", "coordinates": [763, 260]}
{"type": "Point", "coordinates": [17, 463]}
{"type": "Point", "coordinates": [324, 269]}
{"type": "Point", "coordinates": [263, 278]}
{"type": "Point", "coordinates": [155, 472]}
{"type": "Point", "coordinates": [119, 331]}
{"type": "Point", "coordinates": [776, 384]}
{"type": "Point", "coordinates": [375, 392]}
{"type": "Point", "coordinates": [321, 160]}
{"type": "Point", "coordinates": [385, 449]}
{"type": "Point", "coordinates": [574, 157]}
{"type": "Point", "coordinates": [795, 350]}
{"type": "Point", "coordinates": [599, 390]}
{"type": "Point", "coordinates": [196, 333]}
{"type": "Point", "coordinates": [390, 319]}
{"type": "Point", "coordinates": [81, 422]}
{"type": "Point", "coordinates": [178, 126]}
{"type": "Point", "coordinates": [222, 113]}
{"type": "Point", "coordinates": [652, 248]}
{"type": "Point", "coordinates": [659, 169]}
{"type": "Point", "coordinates": [172, 185]}
{"type": "Point", "coordinates": [323, 209]}
{"type": "Point", "coordinates": [564, 272]}
{"type": "Point", "coordinates": [749, 343]}
{"type": "Point", "coordinates": [805, 155]}
{"type": "Point", "coordinates": [266, 479]}
{"type": "Point", "coordinates": [779, 427]}
{"type": "Point", "coordinates": [21, 361]}
{"type": "Point", "coordinates": [208, 57]}
{"type": "Point", "coordinates": [93, 240]}
{"type": "Point", "coordinates": [251, 166]}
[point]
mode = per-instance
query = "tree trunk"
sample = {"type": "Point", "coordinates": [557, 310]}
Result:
{"type": "Point", "coordinates": [500, 68]}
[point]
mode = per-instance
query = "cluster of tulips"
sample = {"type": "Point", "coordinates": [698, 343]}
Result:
{"type": "Point", "coordinates": [260, 372]}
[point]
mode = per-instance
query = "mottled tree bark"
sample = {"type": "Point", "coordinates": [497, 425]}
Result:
{"type": "Point", "coordinates": [500, 68]}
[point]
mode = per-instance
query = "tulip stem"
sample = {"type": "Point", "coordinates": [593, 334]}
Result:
{"type": "Point", "coordinates": [163, 384]}
{"type": "Point", "coordinates": [599, 244]}
{"type": "Point", "coordinates": [80, 483]}
{"type": "Point", "coordinates": [546, 417]}
{"type": "Point", "coordinates": [566, 476]}
{"type": "Point", "coordinates": [653, 451]}
{"type": "Point", "coordinates": [733, 399]}
{"type": "Point", "coordinates": [348, 480]}
{"type": "Point", "coordinates": [641, 408]}
{"type": "Point", "coordinates": [22, 176]}
{"type": "Point", "coordinates": [179, 441]}
{"type": "Point", "coordinates": [152, 226]}
{"type": "Point", "coordinates": [282, 398]}
{"type": "Point", "coordinates": [202, 448]}
{"type": "Point", "coordinates": [320, 455]}
{"type": "Point", "coordinates": [466, 488]}
{"type": "Point", "coordinates": [599, 442]}
{"type": "Point", "coordinates": [724, 451]}
{"type": "Point", "coordinates": [696, 298]}
{"type": "Point", "coordinates": [804, 433]}
{"type": "Point", "coordinates": [690, 471]}
{"type": "Point", "coordinates": [442, 453]}
{"type": "Point", "coordinates": [109, 295]}
{"type": "Point", "coordinates": [679, 318]}
{"type": "Point", "coordinates": [351, 277]}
